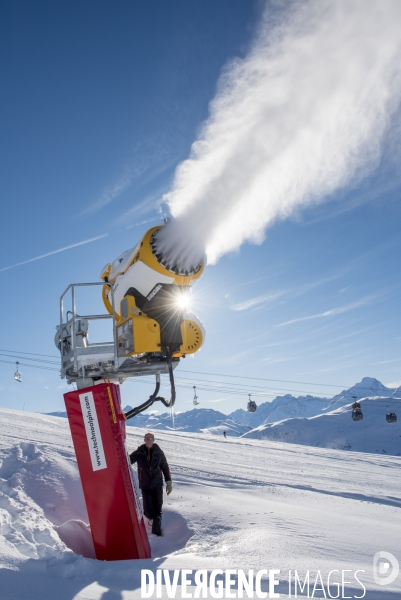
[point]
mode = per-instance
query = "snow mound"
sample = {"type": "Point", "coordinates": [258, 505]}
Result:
{"type": "Point", "coordinates": [25, 529]}
{"type": "Point", "coordinates": [50, 479]}
{"type": "Point", "coordinates": [39, 490]}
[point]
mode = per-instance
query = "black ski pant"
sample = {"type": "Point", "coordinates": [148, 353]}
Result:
{"type": "Point", "coordinates": [152, 503]}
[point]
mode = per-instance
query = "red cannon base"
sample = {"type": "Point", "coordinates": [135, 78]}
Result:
{"type": "Point", "coordinates": [98, 432]}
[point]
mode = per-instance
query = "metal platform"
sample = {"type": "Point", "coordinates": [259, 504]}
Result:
{"type": "Point", "coordinates": [85, 363]}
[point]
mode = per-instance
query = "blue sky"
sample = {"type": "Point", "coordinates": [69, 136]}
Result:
{"type": "Point", "coordinates": [100, 102]}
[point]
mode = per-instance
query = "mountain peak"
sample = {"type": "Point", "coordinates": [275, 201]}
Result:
{"type": "Point", "coordinates": [370, 383]}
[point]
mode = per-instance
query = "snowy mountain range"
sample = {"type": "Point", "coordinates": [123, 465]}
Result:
{"type": "Point", "coordinates": [198, 420]}
{"type": "Point", "coordinates": [206, 420]}
{"type": "Point", "coordinates": [367, 387]}
{"type": "Point", "coordinates": [240, 422]}
{"type": "Point", "coordinates": [280, 408]}
{"type": "Point", "coordinates": [337, 430]}
{"type": "Point", "coordinates": [306, 420]}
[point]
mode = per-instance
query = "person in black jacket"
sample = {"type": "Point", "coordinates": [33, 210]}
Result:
{"type": "Point", "coordinates": [152, 465]}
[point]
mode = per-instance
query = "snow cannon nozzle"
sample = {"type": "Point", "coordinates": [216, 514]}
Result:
{"type": "Point", "coordinates": [168, 262]}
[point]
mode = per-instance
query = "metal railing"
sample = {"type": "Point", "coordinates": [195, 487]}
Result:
{"type": "Point", "coordinates": [73, 321]}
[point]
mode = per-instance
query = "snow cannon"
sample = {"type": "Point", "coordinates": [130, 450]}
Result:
{"type": "Point", "coordinates": [151, 301]}
{"type": "Point", "coordinates": [146, 298]}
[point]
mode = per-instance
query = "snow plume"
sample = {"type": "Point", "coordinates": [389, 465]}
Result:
{"type": "Point", "coordinates": [303, 114]}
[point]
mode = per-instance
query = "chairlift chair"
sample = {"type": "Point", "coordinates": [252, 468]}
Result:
{"type": "Point", "coordinates": [391, 417]}
{"type": "Point", "coordinates": [357, 414]}
{"type": "Point", "coordinates": [196, 401]}
{"type": "Point", "coordinates": [251, 404]}
{"type": "Point", "coordinates": [17, 374]}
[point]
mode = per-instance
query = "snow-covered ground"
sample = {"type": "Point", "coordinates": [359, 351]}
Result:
{"type": "Point", "coordinates": [236, 504]}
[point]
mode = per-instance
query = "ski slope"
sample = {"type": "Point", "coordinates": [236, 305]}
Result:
{"type": "Point", "coordinates": [236, 504]}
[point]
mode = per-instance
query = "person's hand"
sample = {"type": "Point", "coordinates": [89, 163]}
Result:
{"type": "Point", "coordinates": [169, 487]}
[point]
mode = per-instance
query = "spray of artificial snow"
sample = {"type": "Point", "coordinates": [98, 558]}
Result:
{"type": "Point", "coordinates": [303, 114]}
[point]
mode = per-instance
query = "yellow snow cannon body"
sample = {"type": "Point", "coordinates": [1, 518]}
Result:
{"type": "Point", "coordinates": [150, 298]}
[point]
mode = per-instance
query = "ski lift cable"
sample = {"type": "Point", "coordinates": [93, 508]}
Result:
{"type": "Point", "coordinates": [237, 392]}
{"type": "Point", "coordinates": [50, 362]}
{"type": "Point", "coordinates": [214, 374]}
{"type": "Point", "coordinates": [265, 379]}
{"type": "Point", "coordinates": [232, 392]}
{"type": "Point", "coordinates": [214, 389]}
{"type": "Point", "coordinates": [245, 387]}
{"type": "Point", "coordinates": [17, 354]}
{"type": "Point", "coordinates": [210, 388]}
{"type": "Point", "coordinates": [229, 389]}
{"type": "Point", "coordinates": [12, 362]}
{"type": "Point", "coordinates": [344, 386]}
{"type": "Point", "coordinates": [30, 353]}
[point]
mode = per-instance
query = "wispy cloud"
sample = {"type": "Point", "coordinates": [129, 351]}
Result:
{"type": "Point", "coordinates": [218, 400]}
{"type": "Point", "coordinates": [274, 359]}
{"type": "Point", "coordinates": [252, 302]}
{"type": "Point", "coordinates": [234, 358]}
{"type": "Point", "coordinates": [386, 362]}
{"type": "Point", "coordinates": [328, 313]}
{"type": "Point", "coordinates": [24, 262]}
{"type": "Point", "coordinates": [394, 384]}
{"type": "Point", "coordinates": [150, 202]}
{"type": "Point", "coordinates": [144, 222]}
{"type": "Point", "coordinates": [111, 192]}
{"type": "Point", "coordinates": [151, 160]}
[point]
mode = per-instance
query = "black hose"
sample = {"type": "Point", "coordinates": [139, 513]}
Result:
{"type": "Point", "coordinates": [145, 405]}
{"type": "Point", "coordinates": [154, 397]}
